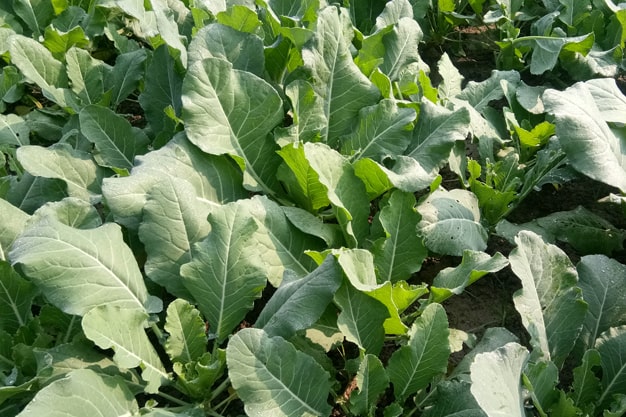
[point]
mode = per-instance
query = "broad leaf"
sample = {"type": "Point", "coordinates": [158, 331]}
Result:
{"type": "Point", "coordinates": [496, 380]}
{"type": "Point", "coordinates": [174, 218]}
{"type": "Point", "coordinates": [117, 142]}
{"type": "Point", "coordinates": [480, 94]}
{"type": "Point", "coordinates": [60, 161]}
{"type": "Point", "coordinates": [383, 130]}
{"type": "Point", "coordinates": [550, 303]}
{"type": "Point", "coordinates": [401, 252]}
{"type": "Point", "coordinates": [452, 80]}
{"type": "Point", "coordinates": [609, 98]}
{"type": "Point", "coordinates": [215, 179]}
{"type": "Point", "coordinates": [361, 318]}
{"type": "Point", "coordinates": [30, 192]}
{"type": "Point", "coordinates": [611, 345]}
{"type": "Point", "coordinates": [586, 386]}
{"type": "Point", "coordinates": [14, 130]}
{"type": "Point", "coordinates": [186, 341]}
{"type": "Point", "coordinates": [336, 78]}
{"type": "Point", "coordinates": [87, 75]}
{"type": "Point", "coordinates": [412, 367]}
{"type": "Point", "coordinates": [122, 329]}
{"type": "Point", "coordinates": [400, 46]}
{"type": "Point", "coordinates": [16, 298]}
{"type": "Point", "coordinates": [454, 399]}
{"type": "Point", "coordinates": [78, 270]}
{"type": "Point", "coordinates": [591, 146]}
{"type": "Point", "coordinates": [372, 381]}
{"type": "Point", "coordinates": [12, 223]}
{"type": "Point", "coordinates": [124, 77]}
{"type": "Point", "coordinates": [226, 275]}
{"type": "Point", "coordinates": [604, 290]}
{"type": "Point", "coordinates": [268, 373]}
{"type": "Point", "coordinates": [228, 111]}
{"type": "Point", "coordinates": [299, 302]}
{"type": "Point", "coordinates": [309, 120]}
{"type": "Point", "coordinates": [83, 392]}
{"type": "Point", "coordinates": [451, 222]}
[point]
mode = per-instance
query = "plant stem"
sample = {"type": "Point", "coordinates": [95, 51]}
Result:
{"type": "Point", "coordinates": [172, 399]}
{"type": "Point", "coordinates": [220, 388]}
{"type": "Point", "coordinates": [68, 333]}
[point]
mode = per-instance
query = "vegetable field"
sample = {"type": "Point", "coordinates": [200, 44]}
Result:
{"type": "Point", "coordinates": [303, 208]}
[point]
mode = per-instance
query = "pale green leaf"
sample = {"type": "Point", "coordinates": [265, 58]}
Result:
{"type": "Point", "coordinates": [117, 142]}
{"type": "Point", "coordinates": [372, 381]}
{"type": "Point", "coordinates": [12, 223]}
{"type": "Point", "coordinates": [162, 21]}
{"type": "Point", "coordinates": [361, 318]}
{"type": "Point", "coordinates": [61, 161]}
{"type": "Point", "coordinates": [401, 47]}
{"type": "Point", "coordinates": [174, 218]}
{"type": "Point", "coordinates": [122, 329]}
{"type": "Point", "coordinates": [550, 304]}
{"type": "Point", "coordinates": [229, 111]}
{"type": "Point", "coordinates": [480, 94]}
{"type": "Point", "coordinates": [496, 380]}
{"type": "Point", "coordinates": [609, 98]}
{"type": "Point", "coordinates": [216, 180]}
{"type": "Point", "coordinates": [87, 75]}
{"type": "Point", "coordinates": [392, 13]}
{"type": "Point", "coordinates": [611, 345]}
{"type": "Point", "coordinates": [268, 373]}
{"type": "Point", "coordinates": [591, 146]}
{"type": "Point", "coordinates": [78, 270]}
{"type": "Point", "coordinates": [16, 297]}
{"type": "Point", "coordinates": [226, 275]}
{"type": "Point", "coordinates": [451, 78]}
{"type": "Point", "coordinates": [604, 290]}
{"type": "Point", "coordinates": [451, 222]}
{"type": "Point", "coordinates": [299, 302]}
{"type": "Point", "coordinates": [14, 130]}
{"type": "Point", "coordinates": [401, 252]}
{"type": "Point", "coordinates": [186, 341]}
{"type": "Point", "coordinates": [383, 130]}
{"type": "Point", "coordinates": [83, 392]}
{"type": "Point", "coordinates": [335, 77]}
{"type": "Point", "coordinates": [413, 367]}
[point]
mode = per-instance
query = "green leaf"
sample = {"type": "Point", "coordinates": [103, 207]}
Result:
{"type": "Point", "coordinates": [496, 378]}
{"type": "Point", "coordinates": [236, 110]}
{"type": "Point", "coordinates": [35, 13]}
{"type": "Point", "coordinates": [604, 292]}
{"type": "Point", "coordinates": [12, 223]}
{"type": "Point", "coordinates": [14, 130]}
{"type": "Point", "coordinates": [454, 399]}
{"type": "Point", "coordinates": [550, 303]}
{"type": "Point", "coordinates": [186, 341]}
{"type": "Point", "coordinates": [452, 80]}
{"type": "Point", "coordinates": [239, 17]}
{"type": "Point", "coordinates": [87, 75]}
{"type": "Point", "coordinates": [216, 180]}
{"type": "Point", "coordinates": [373, 176]}
{"type": "Point", "coordinates": [611, 345]}
{"type": "Point", "coordinates": [226, 276]}
{"type": "Point", "coordinates": [474, 265]}
{"type": "Point", "coordinates": [401, 252]}
{"type": "Point", "coordinates": [117, 142]}
{"type": "Point", "coordinates": [174, 218]}
{"type": "Point", "coordinates": [309, 120]}
{"type": "Point", "coordinates": [78, 270]}
{"type": "Point", "coordinates": [546, 49]}
{"type": "Point", "coordinates": [30, 192]}
{"type": "Point", "coordinates": [16, 298]}
{"type": "Point", "coordinates": [267, 375]}
{"type": "Point", "coordinates": [83, 392]}
{"type": "Point", "coordinates": [122, 329]}
{"type": "Point", "coordinates": [344, 189]}
{"type": "Point", "coordinates": [335, 77]}
{"type": "Point", "coordinates": [59, 42]}
{"type": "Point", "coordinates": [609, 98]}
{"type": "Point", "coordinates": [305, 298]}
{"type": "Point", "coordinates": [412, 367]}
{"type": "Point", "coordinates": [372, 381]}
{"type": "Point", "coordinates": [243, 50]}
{"type": "Point", "coordinates": [480, 94]}
{"type": "Point", "coordinates": [494, 337]}
{"type": "Point", "coordinates": [383, 130]}
{"type": "Point", "coordinates": [401, 47]}
{"type": "Point", "coordinates": [591, 146]}
{"type": "Point", "coordinates": [397, 297]}
{"type": "Point", "coordinates": [586, 386]}
{"type": "Point", "coordinates": [361, 318]}
{"type": "Point", "coordinates": [451, 222]}
{"type": "Point", "coordinates": [60, 161]}
{"type": "Point", "coordinates": [124, 78]}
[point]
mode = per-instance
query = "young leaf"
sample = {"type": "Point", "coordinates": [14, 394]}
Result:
{"type": "Point", "coordinates": [236, 110]}
{"type": "Point", "coordinates": [496, 378]}
{"type": "Point", "coordinates": [186, 341]}
{"type": "Point", "coordinates": [117, 142]}
{"type": "Point", "coordinates": [412, 367]}
{"type": "Point", "coordinates": [591, 146]}
{"type": "Point", "coordinates": [451, 222]}
{"type": "Point", "coordinates": [550, 303]}
{"type": "Point", "coordinates": [361, 318]}
{"type": "Point", "coordinates": [396, 297]}
{"type": "Point", "coordinates": [83, 392]}
{"type": "Point", "coordinates": [174, 218]}
{"type": "Point", "coordinates": [82, 176]}
{"type": "Point", "coordinates": [78, 270]}
{"type": "Point", "coordinates": [372, 381]}
{"type": "Point", "coordinates": [122, 329]}
{"type": "Point", "coordinates": [611, 345]}
{"type": "Point", "coordinates": [16, 298]}
{"type": "Point", "coordinates": [605, 293]}
{"type": "Point", "coordinates": [226, 275]}
{"type": "Point", "coordinates": [302, 298]}
{"type": "Point", "coordinates": [267, 373]}
{"type": "Point", "coordinates": [336, 78]}
{"type": "Point", "coordinates": [401, 252]}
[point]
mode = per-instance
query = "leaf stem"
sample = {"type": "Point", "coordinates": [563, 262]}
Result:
{"type": "Point", "coordinates": [220, 388]}
{"type": "Point", "coordinates": [68, 332]}
{"type": "Point", "coordinates": [173, 399]}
